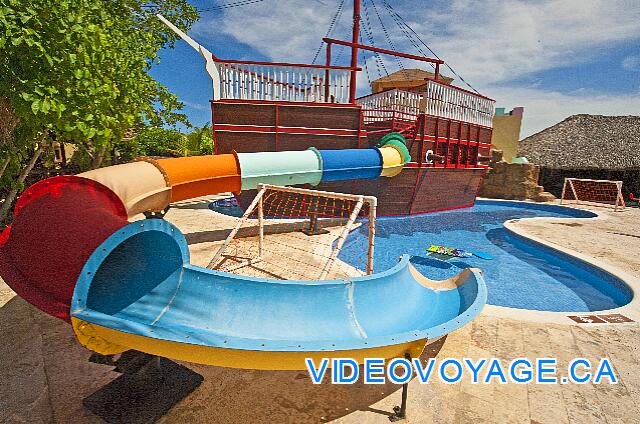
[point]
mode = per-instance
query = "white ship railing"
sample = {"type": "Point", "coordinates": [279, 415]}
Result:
{"type": "Point", "coordinates": [283, 82]}
{"type": "Point", "coordinates": [385, 104]}
{"type": "Point", "coordinates": [446, 101]}
{"type": "Point", "coordinates": [440, 100]}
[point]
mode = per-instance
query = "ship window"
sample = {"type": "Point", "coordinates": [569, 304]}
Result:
{"type": "Point", "coordinates": [474, 155]}
{"type": "Point", "coordinates": [464, 154]}
{"type": "Point", "coordinates": [454, 154]}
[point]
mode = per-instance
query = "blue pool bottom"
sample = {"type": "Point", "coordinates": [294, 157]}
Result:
{"type": "Point", "coordinates": [523, 274]}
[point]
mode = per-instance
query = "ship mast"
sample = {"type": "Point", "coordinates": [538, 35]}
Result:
{"type": "Point", "coordinates": [354, 49]}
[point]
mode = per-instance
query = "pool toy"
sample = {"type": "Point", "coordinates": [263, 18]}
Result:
{"type": "Point", "coordinates": [483, 255]}
{"type": "Point", "coordinates": [449, 251]}
{"type": "Point", "coordinates": [458, 253]}
{"type": "Point", "coordinates": [72, 252]}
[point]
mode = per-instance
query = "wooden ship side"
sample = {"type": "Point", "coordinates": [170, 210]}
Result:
{"type": "Point", "coordinates": [256, 126]}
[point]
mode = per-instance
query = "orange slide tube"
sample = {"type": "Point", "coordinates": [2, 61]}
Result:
{"type": "Point", "coordinates": [197, 176]}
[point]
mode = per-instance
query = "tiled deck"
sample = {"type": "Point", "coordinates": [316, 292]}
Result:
{"type": "Point", "coordinates": [45, 373]}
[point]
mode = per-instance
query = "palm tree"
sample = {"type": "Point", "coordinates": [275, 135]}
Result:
{"type": "Point", "coordinates": [197, 142]}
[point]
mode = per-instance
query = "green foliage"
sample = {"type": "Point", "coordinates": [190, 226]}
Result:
{"type": "Point", "coordinates": [158, 141]}
{"type": "Point", "coordinates": [18, 151]}
{"type": "Point", "coordinates": [77, 71]}
{"type": "Point", "coordinates": [150, 141]}
{"type": "Point", "coordinates": [198, 142]}
{"type": "Point", "coordinates": [80, 68]}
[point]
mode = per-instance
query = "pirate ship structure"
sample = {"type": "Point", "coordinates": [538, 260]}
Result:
{"type": "Point", "coordinates": [274, 106]}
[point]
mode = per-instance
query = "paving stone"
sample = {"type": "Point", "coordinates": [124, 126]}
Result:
{"type": "Point", "coordinates": [45, 373]}
{"type": "Point", "coordinates": [547, 405]}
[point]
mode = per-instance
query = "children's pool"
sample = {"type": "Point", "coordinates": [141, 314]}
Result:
{"type": "Point", "coordinates": [523, 274]}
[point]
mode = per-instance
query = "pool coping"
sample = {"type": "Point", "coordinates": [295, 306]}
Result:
{"type": "Point", "coordinates": [630, 310]}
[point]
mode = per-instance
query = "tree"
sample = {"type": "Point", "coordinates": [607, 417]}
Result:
{"type": "Point", "coordinates": [202, 138]}
{"type": "Point", "coordinates": [150, 141]}
{"type": "Point", "coordinates": [78, 69]}
{"type": "Point", "coordinates": [8, 123]}
{"type": "Point", "coordinates": [158, 141]}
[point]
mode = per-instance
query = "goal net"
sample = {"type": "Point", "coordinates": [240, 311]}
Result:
{"type": "Point", "coordinates": [295, 233]}
{"type": "Point", "coordinates": [593, 191]}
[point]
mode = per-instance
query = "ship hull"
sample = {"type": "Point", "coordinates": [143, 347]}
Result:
{"type": "Point", "coordinates": [419, 188]}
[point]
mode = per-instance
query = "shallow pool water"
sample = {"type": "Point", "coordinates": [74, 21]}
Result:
{"type": "Point", "coordinates": [523, 274]}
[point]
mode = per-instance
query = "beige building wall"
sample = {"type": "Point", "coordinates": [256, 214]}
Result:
{"type": "Point", "coordinates": [506, 133]}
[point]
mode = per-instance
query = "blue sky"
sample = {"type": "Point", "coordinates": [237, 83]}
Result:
{"type": "Point", "coordinates": [554, 57]}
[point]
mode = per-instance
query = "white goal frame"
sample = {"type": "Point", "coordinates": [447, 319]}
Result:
{"type": "Point", "coordinates": [568, 182]}
{"type": "Point", "coordinates": [257, 204]}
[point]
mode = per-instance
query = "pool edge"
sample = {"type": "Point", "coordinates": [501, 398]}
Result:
{"type": "Point", "coordinates": [630, 310]}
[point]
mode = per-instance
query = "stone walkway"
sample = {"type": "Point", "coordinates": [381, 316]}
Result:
{"type": "Point", "coordinates": [45, 373]}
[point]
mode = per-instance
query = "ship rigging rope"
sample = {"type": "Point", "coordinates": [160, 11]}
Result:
{"type": "Point", "coordinates": [366, 28]}
{"type": "Point", "coordinates": [393, 12]}
{"type": "Point", "coordinates": [230, 5]}
{"type": "Point", "coordinates": [334, 20]}
{"type": "Point", "coordinates": [398, 19]}
{"type": "Point", "coordinates": [407, 34]}
{"type": "Point", "coordinates": [389, 40]}
{"type": "Point", "coordinates": [366, 67]}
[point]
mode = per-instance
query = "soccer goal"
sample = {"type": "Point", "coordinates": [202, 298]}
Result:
{"type": "Point", "coordinates": [296, 233]}
{"type": "Point", "coordinates": [581, 190]}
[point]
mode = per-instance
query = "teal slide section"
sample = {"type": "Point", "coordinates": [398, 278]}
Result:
{"type": "Point", "coordinates": [280, 168]}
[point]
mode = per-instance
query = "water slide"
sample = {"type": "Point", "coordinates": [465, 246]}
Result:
{"type": "Point", "coordinates": [72, 252]}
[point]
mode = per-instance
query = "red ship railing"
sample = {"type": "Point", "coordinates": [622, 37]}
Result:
{"type": "Point", "coordinates": [355, 46]}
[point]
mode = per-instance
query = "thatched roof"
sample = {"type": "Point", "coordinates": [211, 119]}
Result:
{"type": "Point", "coordinates": [586, 142]}
{"type": "Point", "coordinates": [410, 75]}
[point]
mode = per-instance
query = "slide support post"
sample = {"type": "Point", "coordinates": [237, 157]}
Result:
{"type": "Point", "coordinates": [233, 233]}
{"type": "Point", "coordinates": [156, 215]}
{"type": "Point", "coordinates": [372, 233]}
{"type": "Point", "coordinates": [314, 226]}
{"type": "Point", "coordinates": [261, 227]}
{"type": "Point", "coordinates": [400, 412]}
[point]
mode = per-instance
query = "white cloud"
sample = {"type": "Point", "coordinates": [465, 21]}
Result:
{"type": "Point", "coordinates": [497, 40]}
{"type": "Point", "coordinates": [546, 108]}
{"type": "Point", "coordinates": [489, 42]}
{"type": "Point", "coordinates": [196, 106]}
{"type": "Point", "coordinates": [283, 30]}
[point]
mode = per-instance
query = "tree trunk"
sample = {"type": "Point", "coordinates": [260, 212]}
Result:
{"type": "Point", "coordinates": [11, 196]}
{"type": "Point", "coordinates": [4, 165]}
{"type": "Point", "coordinates": [99, 157]}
